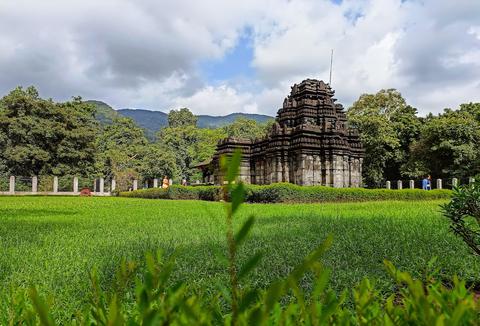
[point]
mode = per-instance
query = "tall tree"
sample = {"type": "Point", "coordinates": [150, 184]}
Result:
{"type": "Point", "coordinates": [246, 128]}
{"type": "Point", "coordinates": [449, 144]}
{"type": "Point", "coordinates": [189, 144]}
{"type": "Point", "coordinates": [40, 136]}
{"type": "Point", "coordinates": [121, 147]}
{"type": "Point", "coordinates": [387, 127]}
{"type": "Point", "coordinates": [181, 118]}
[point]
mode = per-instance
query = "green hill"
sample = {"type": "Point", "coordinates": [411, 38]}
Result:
{"type": "Point", "coordinates": [152, 121]}
{"type": "Point", "coordinates": [105, 113]}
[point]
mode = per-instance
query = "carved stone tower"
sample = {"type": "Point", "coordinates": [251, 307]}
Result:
{"type": "Point", "coordinates": [309, 144]}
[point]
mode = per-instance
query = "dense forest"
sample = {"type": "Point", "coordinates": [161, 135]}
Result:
{"type": "Point", "coordinates": [43, 137]}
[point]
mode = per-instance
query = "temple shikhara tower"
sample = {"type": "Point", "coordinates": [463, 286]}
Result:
{"type": "Point", "coordinates": [310, 143]}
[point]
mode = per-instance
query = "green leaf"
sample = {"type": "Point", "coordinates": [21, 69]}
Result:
{"type": "Point", "coordinates": [249, 265]}
{"type": "Point", "coordinates": [244, 230]}
{"type": "Point", "coordinates": [233, 166]}
{"type": "Point", "coordinates": [40, 307]}
{"type": "Point", "coordinates": [238, 196]}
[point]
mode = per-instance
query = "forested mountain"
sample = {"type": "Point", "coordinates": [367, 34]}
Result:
{"type": "Point", "coordinates": [152, 121]}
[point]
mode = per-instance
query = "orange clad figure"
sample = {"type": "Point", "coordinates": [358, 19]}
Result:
{"type": "Point", "coordinates": [165, 183]}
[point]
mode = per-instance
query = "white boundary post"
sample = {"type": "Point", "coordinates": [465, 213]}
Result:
{"type": "Point", "coordinates": [11, 188]}
{"type": "Point", "coordinates": [34, 184]}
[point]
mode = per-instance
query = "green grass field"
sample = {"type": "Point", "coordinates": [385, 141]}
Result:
{"type": "Point", "coordinates": [54, 242]}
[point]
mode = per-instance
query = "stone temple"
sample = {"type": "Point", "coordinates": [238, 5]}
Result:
{"type": "Point", "coordinates": [310, 143]}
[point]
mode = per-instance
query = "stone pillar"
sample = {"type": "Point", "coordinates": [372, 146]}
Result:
{"type": "Point", "coordinates": [317, 170]}
{"type": "Point", "coordinates": [135, 184]}
{"type": "Point", "coordinates": [360, 172]}
{"type": "Point", "coordinates": [11, 188]}
{"type": "Point", "coordinates": [113, 185]}
{"type": "Point", "coordinates": [454, 182]}
{"type": "Point", "coordinates": [328, 172]}
{"type": "Point", "coordinates": [155, 183]}
{"type": "Point", "coordinates": [55, 184]}
{"type": "Point", "coordinates": [412, 184]}
{"type": "Point", "coordinates": [337, 171]}
{"type": "Point", "coordinates": [75, 185]}
{"type": "Point", "coordinates": [388, 185]}
{"type": "Point", "coordinates": [279, 169]}
{"type": "Point", "coordinates": [346, 172]}
{"type": "Point", "coordinates": [35, 184]}
{"type": "Point", "coordinates": [308, 171]}
{"type": "Point", "coordinates": [102, 185]}
{"type": "Point", "coordinates": [439, 183]}
{"type": "Point", "coordinates": [399, 185]}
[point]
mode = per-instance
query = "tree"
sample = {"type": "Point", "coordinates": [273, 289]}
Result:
{"type": "Point", "coordinates": [189, 144]}
{"type": "Point", "coordinates": [246, 128]}
{"type": "Point", "coordinates": [157, 162]}
{"type": "Point", "coordinates": [40, 136]}
{"type": "Point", "coordinates": [387, 127]}
{"type": "Point", "coordinates": [449, 143]}
{"type": "Point", "coordinates": [121, 148]}
{"type": "Point", "coordinates": [181, 118]}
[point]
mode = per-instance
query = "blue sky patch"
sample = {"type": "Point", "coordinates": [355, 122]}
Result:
{"type": "Point", "coordinates": [236, 64]}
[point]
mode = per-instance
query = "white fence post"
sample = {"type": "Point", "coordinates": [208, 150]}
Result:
{"type": "Point", "coordinates": [388, 185]}
{"type": "Point", "coordinates": [102, 185]}
{"type": "Point", "coordinates": [34, 184]}
{"type": "Point", "coordinates": [155, 183]}
{"type": "Point", "coordinates": [55, 184]}
{"type": "Point", "coordinates": [75, 185]}
{"type": "Point", "coordinates": [439, 183]}
{"type": "Point", "coordinates": [113, 185]}
{"type": "Point", "coordinates": [412, 184]}
{"type": "Point", "coordinates": [11, 188]}
{"type": "Point", "coordinates": [454, 182]}
{"type": "Point", "coordinates": [135, 184]}
{"type": "Point", "coordinates": [399, 184]}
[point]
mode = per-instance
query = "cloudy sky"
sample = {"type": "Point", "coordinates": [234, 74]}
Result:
{"type": "Point", "coordinates": [217, 56]}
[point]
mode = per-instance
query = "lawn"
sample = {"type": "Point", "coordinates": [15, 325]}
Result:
{"type": "Point", "coordinates": [54, 242]}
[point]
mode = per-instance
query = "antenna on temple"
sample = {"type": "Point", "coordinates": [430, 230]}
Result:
{"type": "Point", "coordinates": [331, 65]}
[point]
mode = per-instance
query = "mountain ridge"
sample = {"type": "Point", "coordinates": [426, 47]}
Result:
{"type": "Point", "coordinates": [152, 121]}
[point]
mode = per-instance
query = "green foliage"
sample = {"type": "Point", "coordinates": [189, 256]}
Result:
{"type": "Point", "coordinates": [40, 136]}
{"type": "Point", "coordinates": [181, 118]}
{"type": "Point", "coordinates": [463, 211]}
{"type": "Point", "coordinates": [121, 149]}
{"type": "Point", "coordinates": [246, 128]}
{"type": "Point", "coordinates": [449, 142]}
{"type": "Point", "coordinates": [104, 113]}
{"type": "Point", "coordinates": [189, 144]}
{"type": "Point", "coordinates": [290, 193]}
{"type": "Point", "coordinates": [209, 193]}
{"type": "Point", "coordinates": [387, 127]}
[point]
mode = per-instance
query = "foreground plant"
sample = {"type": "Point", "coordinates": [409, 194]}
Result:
{"type": "Point", "coordinates": [463, 211]}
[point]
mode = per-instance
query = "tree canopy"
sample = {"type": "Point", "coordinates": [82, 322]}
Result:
{"type": "Point", "coordinates": [39, 136]}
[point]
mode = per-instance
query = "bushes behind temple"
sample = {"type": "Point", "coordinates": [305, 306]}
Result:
{"type": "Point", "coordinates": [289, 193]}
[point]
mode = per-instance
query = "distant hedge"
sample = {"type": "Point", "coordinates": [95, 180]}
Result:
{"type": "Point", "coordinates": [289, 193]}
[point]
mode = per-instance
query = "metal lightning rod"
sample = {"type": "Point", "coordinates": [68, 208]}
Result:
{"type": "Point", "coordinates": [331, 65]}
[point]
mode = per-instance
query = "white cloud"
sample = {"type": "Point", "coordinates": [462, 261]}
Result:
{"type": "Point", "coordinates": [218, 100]}
{"type": "Point", "coordinates": [146, 53]}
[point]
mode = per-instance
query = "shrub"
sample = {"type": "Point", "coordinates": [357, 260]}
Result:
{"type": "Point", "coordinates": [463, 211]}
{"type": "Point", "coordinates": [290, 193]}
{"type": "Point", "coordinates": [210, 193]}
